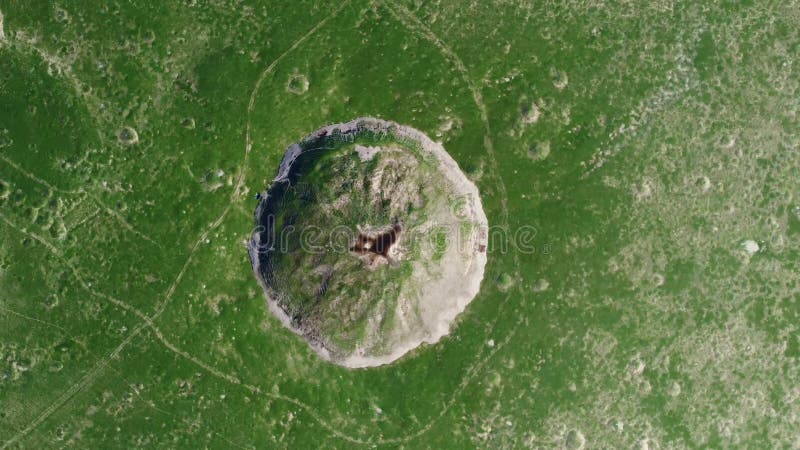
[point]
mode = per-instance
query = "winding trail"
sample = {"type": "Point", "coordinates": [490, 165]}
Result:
{"type": "Point", "coordinates": [251, 106]}
{"type": "Point", "coordinates": [413, 24]}
{"type": "Point", "coordinates": [98, 368]}
{"type": "Point", "coordinates": [117, 374]}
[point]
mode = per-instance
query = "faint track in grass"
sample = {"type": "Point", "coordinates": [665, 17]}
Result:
{"type": "Point", "coordinates": [236, 193]}
{"type": "Point", "coordinates": [146, 321]}
{"type": "Point", "coordinates": [117, 216]}
{"type": "Point", "coordinates": [41, 181]}
{"type": "Point", "coordinates": [414, 25]}
{"type": "Point", "coordinates": [471, 374]}
{"type": "Point", "coordinates": [34, 319]}
{"type": "Point", "coordinates": [124, 222]}
{"type": "Point", "coordinates": [117, 373]}
{"type": "Point", "coordinates": [103, 362]}
{"type": "Point", "coordinates": [89, 377]}
{"type": "Point", "coordinates": [251, 106]}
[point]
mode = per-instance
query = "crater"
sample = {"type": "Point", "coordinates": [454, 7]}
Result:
{"type": "Point", "coordinates": [127, 136]}
{"type": "Point", "coordinates": [297, 84]}
{"type": "Point", "coordinates": [369, 241]}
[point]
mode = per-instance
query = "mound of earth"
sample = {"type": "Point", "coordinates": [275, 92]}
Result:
{"type": "Point", "coordinates": [369, 242]}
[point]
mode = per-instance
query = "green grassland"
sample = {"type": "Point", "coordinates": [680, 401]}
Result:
{"type": "Point", "coordinates": [646, 142]}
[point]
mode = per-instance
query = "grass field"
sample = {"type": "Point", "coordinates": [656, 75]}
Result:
{"type": "Point", "coordinates": [654, 146]}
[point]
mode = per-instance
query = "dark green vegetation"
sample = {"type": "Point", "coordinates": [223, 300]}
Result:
{"type": "Point", "coordinates": [647, 143]}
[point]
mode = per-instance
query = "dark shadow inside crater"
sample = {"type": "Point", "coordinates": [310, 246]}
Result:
{"type": "Point", "coordinates": [378, 245]}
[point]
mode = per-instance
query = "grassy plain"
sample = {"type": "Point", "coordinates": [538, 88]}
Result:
{"type": "Point", "coordinates": [648, 143]}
